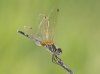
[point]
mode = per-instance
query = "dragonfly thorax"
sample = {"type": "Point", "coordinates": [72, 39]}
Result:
{"type": "Point", "coordinates": [53, 49]}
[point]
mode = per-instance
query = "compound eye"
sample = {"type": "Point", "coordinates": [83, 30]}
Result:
{"type": "Point", "coordinates": [59, 50]}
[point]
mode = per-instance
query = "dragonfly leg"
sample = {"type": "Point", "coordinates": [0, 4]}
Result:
{"type": "Point", "coordinates": [55, 59]}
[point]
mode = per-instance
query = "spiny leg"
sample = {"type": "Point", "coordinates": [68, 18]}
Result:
{"type": "Point", "coordinates": [55, 59]}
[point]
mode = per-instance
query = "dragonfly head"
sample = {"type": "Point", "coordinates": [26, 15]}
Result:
{"type": "Point", "coordinates": [58, 51]}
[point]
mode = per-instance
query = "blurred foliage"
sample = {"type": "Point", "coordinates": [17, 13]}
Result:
{"type": "Point", "coordinates": [77, 33]}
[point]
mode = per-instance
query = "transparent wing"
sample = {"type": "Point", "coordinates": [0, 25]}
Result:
{"type": "Point", "coordinates": [52, 21]}
{"type": "Point", "coordinates": [43, 33]}
{"type": "Point", "coordinates": [29, 30]}
{"type": "Point", "coordinates": [47, 26]}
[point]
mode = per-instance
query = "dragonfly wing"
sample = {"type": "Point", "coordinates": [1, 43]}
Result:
{"type": "Point", "coordinates": [47, 26]}
{"type": "Point", "coordinates": [46, 29]}
{"type": "Point", "coordinates": [42, 32]}
{"type": "Point", "coordinates": [52, 21]}
{"type": "Point", "coordinates": [31, 34]}
{"type": "Point", "coordinates": [29, 30]}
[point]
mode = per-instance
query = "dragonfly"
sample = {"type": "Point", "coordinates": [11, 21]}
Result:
{"type": "Point", "coordinates": [45, 34]}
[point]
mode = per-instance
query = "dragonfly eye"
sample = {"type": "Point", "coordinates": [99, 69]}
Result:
{"type": "Point", "coordinates": [59, 51]}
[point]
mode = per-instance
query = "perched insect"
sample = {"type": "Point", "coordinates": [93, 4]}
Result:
{"type": "Point", "coordinates": [45, 34]}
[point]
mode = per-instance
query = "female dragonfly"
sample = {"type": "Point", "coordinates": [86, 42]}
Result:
{"type": "Point", "coordinates": [45, 34]}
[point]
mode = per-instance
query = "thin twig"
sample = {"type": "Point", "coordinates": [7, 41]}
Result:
{"type": "Point", "coordinates": [61, 63]}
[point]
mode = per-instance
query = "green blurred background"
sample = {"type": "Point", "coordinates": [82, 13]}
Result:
{"type": "Point", "coordinates": [77, 33]}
